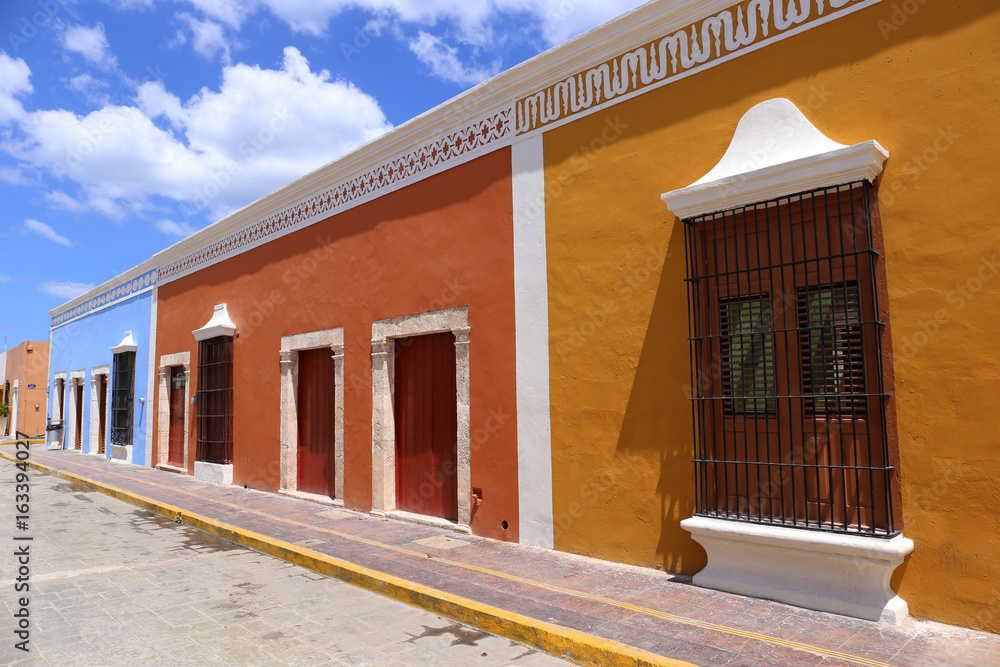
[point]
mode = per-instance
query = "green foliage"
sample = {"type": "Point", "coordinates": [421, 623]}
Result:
{"type": "Point", "coordinates": [4, 410]}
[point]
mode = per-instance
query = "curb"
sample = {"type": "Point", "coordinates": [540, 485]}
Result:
{"type": "Point", "coordinates": [565, 643]}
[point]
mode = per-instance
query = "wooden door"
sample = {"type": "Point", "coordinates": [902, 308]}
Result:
{"type": "Point", "coordinates": [102, 406]}
{"type": "Point", "coordinates": [316, 412]}
{"type": "Point", "coordinates": [426, 416]}
{"type": "Point", "coordinates": [79, 415]}
{"type": "Point", "coordinates": [178, 384]}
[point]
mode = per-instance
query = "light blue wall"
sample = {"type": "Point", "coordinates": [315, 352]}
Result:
{"type": "Point", "coordinates": [85, 343]}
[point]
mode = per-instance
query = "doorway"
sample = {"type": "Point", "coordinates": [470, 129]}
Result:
{"type": "Point", "coordinates": [316, 405]}
{"type": "Point", "coordinates": [178, 392]}
{"type": "Point", "coordinates": [426, 409]}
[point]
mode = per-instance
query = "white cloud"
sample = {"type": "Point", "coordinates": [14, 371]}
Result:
{"type": "Point", "coordinates": [225, 11]}
{"type": "Point", "coordinates": [91, 43]}
{"type": "Point", "coordinates": [171, 228]}
{"type": "Point", "coordinates": [227, 147]}
{"type": "Point", "coordinates": [556, 20]}
{"type": "Point", "coordinates": [4, 279]}
{"type": "Point", "coordinates": [444, 62]}
{"type": "Point", "coordinates": [92, 89]}
{"type": "Point", "coordinates": [63, 201]}
{"type": "Point", "coordinates": [15, 80]}
{"type": "Point", "coordinates": [208, 38]}
{"type": "Point", "coordinates": [46, 231]}
{"type": "Point", "coordinates": [14, 176]}
{"type": "Point", "coordinates": [64, 290]}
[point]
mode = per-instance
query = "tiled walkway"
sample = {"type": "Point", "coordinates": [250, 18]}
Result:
{"type": "Point", "coordinates": [642, 608]}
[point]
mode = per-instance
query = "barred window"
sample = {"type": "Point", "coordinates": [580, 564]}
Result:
{"type": "Point", "coordinates": [789, 397]}
{"type": "Point", "coordinates": [215, 400]}
{"type": "Point", "coordinates": [122, 398]}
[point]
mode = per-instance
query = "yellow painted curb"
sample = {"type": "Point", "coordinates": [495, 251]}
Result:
{"type": "Point", "coordinates": [566, 643]}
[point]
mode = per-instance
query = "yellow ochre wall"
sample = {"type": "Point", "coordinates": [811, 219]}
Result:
{"type": "Point", "coordinates": [925, 85]}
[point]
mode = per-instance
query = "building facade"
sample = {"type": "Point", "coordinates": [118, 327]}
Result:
{"type": "Point", "coordinates": [24, 372]}
{"type": "Point", "coordinates": [100, 376]}
{"type": "Point", "coordinates": [703, 290]}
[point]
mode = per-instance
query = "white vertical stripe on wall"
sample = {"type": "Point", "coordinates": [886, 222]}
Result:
{"type": "Point", "coordinates": [531, 314]}
{"type": "Point", "coordinates": [151, 412]}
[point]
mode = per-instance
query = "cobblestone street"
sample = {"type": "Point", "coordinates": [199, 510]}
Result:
{"type": "Point", "coordinates": [112, 584]}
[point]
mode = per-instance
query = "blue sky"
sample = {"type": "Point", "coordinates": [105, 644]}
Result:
{"type": "Point", "coordinates": [125, 125]}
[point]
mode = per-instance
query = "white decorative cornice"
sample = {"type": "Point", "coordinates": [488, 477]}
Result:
{"type": "Point", "coordinates": [775, 151]}
{"type": "Point", "coordinates": [219, 325]}
{"type": "Point", "coordinates": [135, 281]}
{"type": "Point", "coordinates": [689, 37]}
{"type": "Point", "coordinates": [665, 41]}
{"type": "Point", "coordinates": [128, 344]}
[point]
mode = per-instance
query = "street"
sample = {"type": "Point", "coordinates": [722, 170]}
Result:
{"type": "Point", "coordinates": [113, 584]}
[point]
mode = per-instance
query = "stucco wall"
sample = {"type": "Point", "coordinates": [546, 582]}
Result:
{"type": "Point", "coordinates": [85, 343]}
{"type": "Point", "coordinates": [924, 84]}
{"type": "Point", "coordinates": [440, 243]}
{"type": "Point", "coordinates": [28, 368]}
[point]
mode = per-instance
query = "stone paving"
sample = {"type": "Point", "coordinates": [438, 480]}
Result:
{"type": "Point", "coordinates": [112, 584]}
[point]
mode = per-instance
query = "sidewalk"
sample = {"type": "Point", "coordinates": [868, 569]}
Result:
{"type": "Point", "coordinates": [585, 610]}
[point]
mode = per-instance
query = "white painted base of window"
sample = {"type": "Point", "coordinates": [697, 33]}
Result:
{"type": "Point", "coordinates": [842, 574]}
{"type": "Point", "coordinates": [213, 473]}
{"type": "Point", "coordinates": [423, 520]}
{"type": "Point", "coordinates": [121, 453]}
{"type": "Point", "coordinates": [312, 497]}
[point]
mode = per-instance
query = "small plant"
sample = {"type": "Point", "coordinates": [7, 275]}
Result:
{"type": "Point", "coordinates": [4, 410]}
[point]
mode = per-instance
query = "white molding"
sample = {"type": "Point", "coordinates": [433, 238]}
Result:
{"type": "Point", "coordinates": [842, 574]}
{"type": "Point", "coordinates": [531, 316]}
{"type": "Point", "coordinates": [128, 344]}
{"type": "Point", "coordinates": [333, 339]}
{"type": "Point", "coordinates": [384, 333]}
{"type": "Point", "coordinates": [151, 380]}
{"type": "Point", "coordinates": [218, 325]}
{"type": "Point", "coordinates": [775, 151]}
{"type": "Point", "coordinates": [133, 283]}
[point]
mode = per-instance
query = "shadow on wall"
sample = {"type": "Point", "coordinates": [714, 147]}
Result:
{"type": "Point", "coordinates": [658, 415]}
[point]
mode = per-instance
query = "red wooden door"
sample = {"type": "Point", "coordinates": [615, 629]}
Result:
{"type": "Point", "coordinates": [102, 406]}
{"type": "Point", "coordinates": [79, 415]}
{"type": "Point", "coordinates": [317, 406]}
{"type": "Point", "coordinates": [178, 383]}
{"type": "Point", "coordinates": [426, 426]}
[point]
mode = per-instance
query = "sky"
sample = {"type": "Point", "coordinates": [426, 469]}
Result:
{"type": "Point", "coordinates": [126, 125]}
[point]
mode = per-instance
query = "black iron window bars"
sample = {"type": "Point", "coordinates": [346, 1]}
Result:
{"type": "Point", "coordinates": [122, 398]}
{"type": "Point", "coordinates": [788, 392]}
{"type": "Point", "coordinates": [215, 400]}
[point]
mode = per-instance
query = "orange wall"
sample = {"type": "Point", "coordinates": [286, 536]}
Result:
{"type": "Point", "coordinates": [926, 85]}
{"type": "Point", "coordinates": [443, 242]}
{"type": "Point", "coordinates": [29, 368]}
